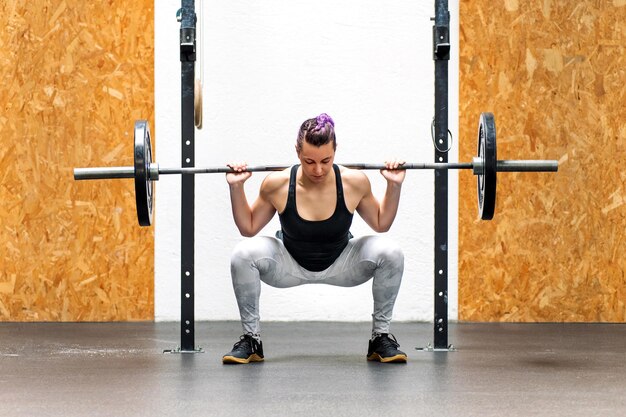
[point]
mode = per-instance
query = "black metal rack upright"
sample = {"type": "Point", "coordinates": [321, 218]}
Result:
{"type": "Point", "coordinates": [441, 56]}
{"type": "Point", "coordinates": [187, 18]}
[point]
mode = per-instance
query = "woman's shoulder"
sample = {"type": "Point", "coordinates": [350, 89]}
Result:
{"type": "Point", "coordinates": [276, 180]}
{"type": "Point", "coordinates": [353, 177]}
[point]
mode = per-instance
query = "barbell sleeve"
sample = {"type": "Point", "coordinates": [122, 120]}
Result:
{"type": "Point", "coordinates": [513, 165]}
{"type": "Point", "coordinates": [527, 166]}
{"type": "Point", "coordinates": [103, 173]}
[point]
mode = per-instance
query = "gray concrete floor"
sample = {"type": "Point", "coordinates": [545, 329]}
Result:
{"type": "Point", "coordinates": [312, 369]}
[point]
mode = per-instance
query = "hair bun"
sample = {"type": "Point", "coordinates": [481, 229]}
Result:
{"type": "Point", "coordinates": [322, 119]}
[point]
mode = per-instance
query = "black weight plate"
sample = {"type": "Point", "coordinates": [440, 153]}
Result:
{"type": "Point", "coordinates": [143, 185]}
{"type": "Point", "coordinates": [486, 182]}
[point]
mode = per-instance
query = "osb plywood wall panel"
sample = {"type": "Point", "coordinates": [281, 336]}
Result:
{"type": "Point", "coordinates": [554, 74]}
{"type": "Point", "coordinates": [75, 74]}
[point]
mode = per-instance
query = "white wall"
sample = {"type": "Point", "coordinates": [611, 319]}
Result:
{"type": "Point", "coordinates": [266, 67]}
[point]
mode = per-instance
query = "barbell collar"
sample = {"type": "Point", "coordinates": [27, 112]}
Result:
{"type": "Point", "coordinates": [478, 165]}
{"type": "Point", "coordinates": [153, 171]}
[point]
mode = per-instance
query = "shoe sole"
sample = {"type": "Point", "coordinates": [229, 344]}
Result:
{"type": "Point", "coordinates": [252, 358]}
{"type": "Point", "coordinates": [391, 359]}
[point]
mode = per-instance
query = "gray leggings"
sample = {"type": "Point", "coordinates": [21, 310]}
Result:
{"type": "Point", "coordinates": [264, 258]}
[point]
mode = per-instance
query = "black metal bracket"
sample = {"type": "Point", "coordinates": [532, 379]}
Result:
{"type": "Point", "coordinates": [430, 348]}
{"type": "Point", "coordinates": [441, 42]}
{"type": "Point", "coordinates": [187, 18]}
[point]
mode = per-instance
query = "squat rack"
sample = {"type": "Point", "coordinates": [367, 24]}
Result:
{"type": "Point", "coordinates": [441, 55]}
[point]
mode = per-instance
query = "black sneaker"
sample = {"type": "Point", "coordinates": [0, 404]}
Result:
{"type": "Point", "coordinates": [246, 350]}
{"type": "Point", "coordinates": [384, 348]}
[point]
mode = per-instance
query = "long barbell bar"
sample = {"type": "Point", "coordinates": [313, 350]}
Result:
{"type": "Point", "coordinates": [485, 166]}
{"type": "Point", "coordinates": [104, 173]}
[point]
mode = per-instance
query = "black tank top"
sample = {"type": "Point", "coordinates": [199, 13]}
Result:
{"type": "Point", "coordinates": [315, 245]}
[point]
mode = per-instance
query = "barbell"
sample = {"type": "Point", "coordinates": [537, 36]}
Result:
{"type": "Point", "coordinates": [485, 166]}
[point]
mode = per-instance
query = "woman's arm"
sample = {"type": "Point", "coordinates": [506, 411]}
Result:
{"type": "Point", "coordinates": [379, 215]}
{"type": "Point", "coordinates": [250, 219]}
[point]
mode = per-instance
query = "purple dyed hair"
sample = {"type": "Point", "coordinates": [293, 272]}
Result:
{"type": "Point", "coordinates": [317, 131]}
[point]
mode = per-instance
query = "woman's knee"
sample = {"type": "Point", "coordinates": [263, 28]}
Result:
{"type": "Point", "coordinates": [250, 250]}
{"type": "Point", "coordinates": [393, 253]}
{"type": "Point", "coordinates": [255, 258]}
{"type": "Point", "coordinates": [387, 250]}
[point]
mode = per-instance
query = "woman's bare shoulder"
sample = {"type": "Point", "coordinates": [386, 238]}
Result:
{"type": "Point", "coordinates": [354, 177]}
{"type": "Point", "coordinates": [275, 181]}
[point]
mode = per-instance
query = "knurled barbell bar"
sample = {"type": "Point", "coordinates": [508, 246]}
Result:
{"type": "Point", "coordinates": [485, 166]}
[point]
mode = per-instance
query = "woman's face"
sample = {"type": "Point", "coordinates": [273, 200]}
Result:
{"type": "Point", "coordinates": [316, 161]}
